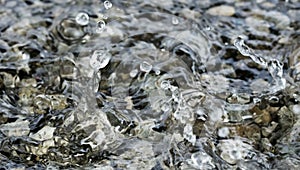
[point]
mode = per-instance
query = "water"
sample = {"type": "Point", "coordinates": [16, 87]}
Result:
{"type": "Point", "coordinates": [82, 18]}
{"type": "Point", "coordinates": [107, 4]}
{"type": "Point", "coordinates": [100, 26]}
{"type": "Point", "coordinates": [99, 59]}
{"type": "Point", "coordinates": [149, 84]}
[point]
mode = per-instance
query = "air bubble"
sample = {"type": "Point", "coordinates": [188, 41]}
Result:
{"type": "Point", "coordinates": [100, 26]}
{"type": "Point", "coordinates": [133, 73]}
{"type": "Point", "coordinates": [145, 67]}
{"type": "Point", "coordinates": [165, 84]}
{"type": "Point", "coordinates": [99, 59]}
{"type": "Point", "coordinates": [82, 18]}
{"type": "Point", "coordinates": [107, 4]}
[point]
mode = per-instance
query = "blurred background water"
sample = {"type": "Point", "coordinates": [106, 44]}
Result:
{"type": "Point", "coordinates": [149, 84]}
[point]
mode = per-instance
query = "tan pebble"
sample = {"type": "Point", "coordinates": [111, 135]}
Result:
{"type": "Point", "coordinates": [223, 10]}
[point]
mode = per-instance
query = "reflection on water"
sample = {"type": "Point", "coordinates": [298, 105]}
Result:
{"type": "Point", "coordinates": [149, 84]}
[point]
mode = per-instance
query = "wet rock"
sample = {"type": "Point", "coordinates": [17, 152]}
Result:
{"type": "Point", "coordinates": [233, 150]}
{"type": "Point", "coordinates": [9, 80]}
{"type": "Point", "coordinates": [241, 98]}
{"type": "Point", "coordinates": [45, 133]}
{"type": "Point", "coordinates": [18, 128]}
{"type": "Point", "coordinates": [266, 144]}
{"type": "Point", "coordinates": [262, 117]}
{"type": "Point", "coordinates": [223, 10]}
{"type": "Point", "coordinates": [266, 131]}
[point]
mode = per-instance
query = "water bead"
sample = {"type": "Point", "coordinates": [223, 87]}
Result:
{"type": "Point", "coordinates": [133, 73]}
{"type": "Point", "coordinates": [100, 26]}
{"type": "Point", "coordinates": [107, 4]}
{"type": "Point", "coordinates": [82, 19]}
{"type": "Point", "coordinates": [165, 84]}
{"type": "Point", "coordinates": [99, 59]}
{"type": "Point", "coordinates": [175, 21]}
{"type": "Point", "coordinates": [145, 67]}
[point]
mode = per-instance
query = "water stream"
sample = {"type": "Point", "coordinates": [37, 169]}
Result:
{"type": "Point", "coordinates": [149, 84]}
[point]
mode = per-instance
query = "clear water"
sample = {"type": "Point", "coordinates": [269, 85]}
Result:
{"type": "Point", "coordinates": [149, 84]}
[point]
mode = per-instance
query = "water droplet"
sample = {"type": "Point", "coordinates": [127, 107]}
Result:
{"type": "Point", "coordinates": [175, 20]}
{"type": "Point", "coordinates": [223, 132]}
{"type": "Point", "coordinates": [99, 59]}
{"type": "Point", "coordinates": [157, 72]}
{"type": "Point", "coordinates": [82, 18]}
{"type": "Point", "coordinates": [145, 67]}
{"type": "Point", "coordinates": [208, 28]}
{"type": "Point", "coordinates": [107, 4]}
{"type": "Point", "coordinates": [100, 26]}
{"type": "Point", "coordinates": [165, 84]}
{"type": "Point", "coordinates": [133, 73]}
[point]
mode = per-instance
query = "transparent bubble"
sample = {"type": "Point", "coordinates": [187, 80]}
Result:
{"type": "Point", "coordinates": [133, 73]}
{"type": "Point", "coordinates": [157, 72]}
{"type": "Point", "coordinates": [107, 4]}
{"type": "Point", "coordinates": [99, 59]}
{"type": "Point", "coordinates": [175, 20]}
{"type": "Point", "coordinates": [145, 67]}
{"type": "Point", "coordinates": [165, 84]}
{"type": "Point", "coordinates": [100, 26]}
{"type": "Point", "coordinates": [82, 18]}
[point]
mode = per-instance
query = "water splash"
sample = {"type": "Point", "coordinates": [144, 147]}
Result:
{"type": "Point", "coordinates": [274, 66]}
{"type": "Point", "coordinates": [99, 59]}
{"type": "Point", "coordinates": [246, 51]}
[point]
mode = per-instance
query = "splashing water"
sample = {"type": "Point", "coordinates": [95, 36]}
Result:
{"type": "Point", "coordinates": [246, 51]}
{"type": "Point", "coordinates": [274, 66]}
{"type": "Point", "coordinates": [99, 59]}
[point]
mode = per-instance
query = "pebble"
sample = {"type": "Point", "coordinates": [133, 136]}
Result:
{"type": "Point", "coordinates": [45, 133]}
{"type": "Point", "coordinates": [223, 10]}
{"type": "Point", "coordinates": [19, 128]}
{"type": "Point", "coordinates": [262, 117]}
